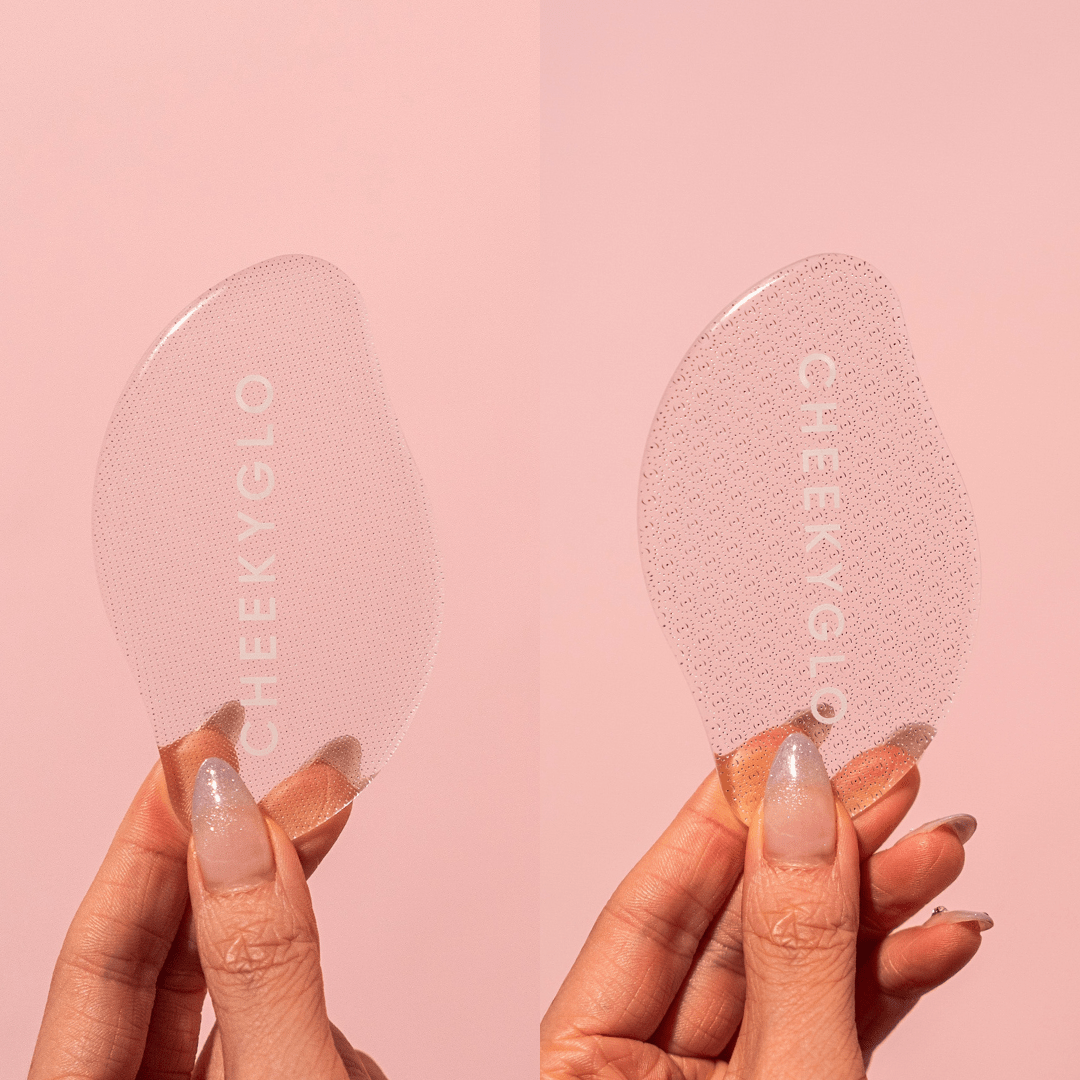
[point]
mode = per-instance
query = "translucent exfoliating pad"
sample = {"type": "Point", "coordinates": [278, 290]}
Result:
{"type": "Point", "coordinates": [806, 538]}
{"type": "Point", "coordinates": [263, 544]}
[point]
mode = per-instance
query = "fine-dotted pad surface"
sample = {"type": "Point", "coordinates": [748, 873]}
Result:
{"type": "Point", "coordinates": [261, 531]}
{"type": "Point", "coordinates": [766, 470]}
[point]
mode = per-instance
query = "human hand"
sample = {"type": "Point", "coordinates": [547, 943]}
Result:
{"type": "Point", "coordinates": [127, 993]}
{"type": "Point", "coordinates": [672, 984]}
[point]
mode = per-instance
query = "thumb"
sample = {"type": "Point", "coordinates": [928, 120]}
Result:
{"type": "Point", "coordinates": [258, 942]}
{"type": "Point", "coordinates": [800, 924]}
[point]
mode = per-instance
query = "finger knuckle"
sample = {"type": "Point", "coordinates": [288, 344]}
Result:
{"type": "Point", "coordinates": [800, 929]}
{"type": "Point", "coordinates": [896, 975]}
{"type": "Point", "coordinates": [642, 918]}
{"type": "Point", "coordinates": [723, 948]}
{"type": "Point", "coordinates": [262, 952]}
{"type": "Point", "coordinates": [596, 1057]}
{"type": "Point", "coordinates": [932, 862]}
{"type": "Point", "coordinates": [115, 950]}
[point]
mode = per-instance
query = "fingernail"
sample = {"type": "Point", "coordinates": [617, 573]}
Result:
{"type": "Point", "coordinates": [229, 720]}
{"type": "Point", "coordinates": [230, 835]}
{"type": "Point", "coordinates": [943, 915]}
{"type": "Point", "coordinates": [344, 754]}
{"type": "Point", "coordinates": [963, 825]}
{"type": "Point", "coordinates": [798, 807]}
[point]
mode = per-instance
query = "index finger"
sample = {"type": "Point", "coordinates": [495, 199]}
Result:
{"type": "Point", "coordinates": [645, 939]}
{"type": "Point", "coordinates": [103, 988]}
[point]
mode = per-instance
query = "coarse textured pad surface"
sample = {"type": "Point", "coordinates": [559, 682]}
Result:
{"type": "Point", "coordinates": [263, 543]}
{"type": "Point", "coordinates": [806, 538]}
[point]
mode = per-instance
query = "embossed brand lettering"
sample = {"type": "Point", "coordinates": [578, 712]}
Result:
{"type": "Point", "coordinates": [825, 621]}
{"type": "Point", "coordinates": [257, 486]}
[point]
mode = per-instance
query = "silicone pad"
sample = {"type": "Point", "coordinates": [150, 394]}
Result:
{"type": "Point", "coordinates": [806, 538]}
{"type": "Point", "coordinates": [263, 544]}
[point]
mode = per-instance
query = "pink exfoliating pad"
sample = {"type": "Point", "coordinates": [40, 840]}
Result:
{"type": "Point", "coordinates": [806, 538]}
{"type": "Point", "coordinates": [263, 544]}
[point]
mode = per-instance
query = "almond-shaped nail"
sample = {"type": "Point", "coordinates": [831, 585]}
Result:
{"type": "Point", "coordinates": [798, 808]}
{"type": "Point", "coordinates": [230, 835]}
{"type": "Point", "coordinates": [963, 825]}
{"type": "Point", "coordinates": [229, 720]}
{"type": "Point", "coordinates": [344, 754]}
{"type": "Point", "coordinates": [942, 915]}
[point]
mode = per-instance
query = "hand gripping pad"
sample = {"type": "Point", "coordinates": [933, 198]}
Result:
{"type": "Point", "coordinates": [806, 538]}
{"type": "Point", "coordinates": [263, 544]}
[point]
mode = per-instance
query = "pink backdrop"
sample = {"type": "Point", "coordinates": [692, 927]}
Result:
{"type": "Point", "coordinates": [543, 205]}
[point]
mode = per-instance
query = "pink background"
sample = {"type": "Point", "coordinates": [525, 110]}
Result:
{"type": "Point", "coordinates": [543, 205]}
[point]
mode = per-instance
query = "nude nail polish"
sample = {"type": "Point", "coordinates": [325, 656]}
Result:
{"type": "Point", "coordinates": [326, 782]}
{"type": "Point", "coordinates": [963, 825]}
{"type": "Point", "coordinates": [798, 808]}
{"type": "Point", "coordinates": [230, 835]}
{"type": "Point", "coordinates": [943, 915]}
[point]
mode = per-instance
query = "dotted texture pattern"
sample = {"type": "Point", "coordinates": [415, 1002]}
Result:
{"type": "Point", "coordinates": [349, 605]}
{"type": "Point", "coordinates": [741, 506]}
